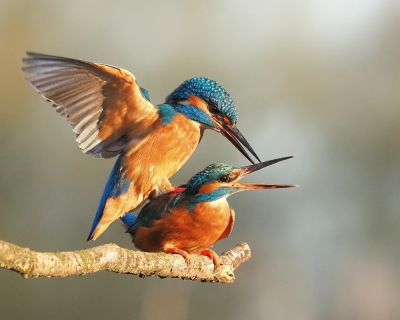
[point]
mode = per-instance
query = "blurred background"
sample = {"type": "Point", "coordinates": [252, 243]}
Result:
{"type": "Point", "coordinates": [316, 79]}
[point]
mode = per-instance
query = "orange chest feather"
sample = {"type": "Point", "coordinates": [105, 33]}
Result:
{"type": "Point", "coordinates": [194, 231]}
{"type": "Point", "coordinates": [164, 150]}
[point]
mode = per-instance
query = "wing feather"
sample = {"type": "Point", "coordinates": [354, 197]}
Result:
{"type": "Point", "coordinates": [89, 120]}
{"type": "Point", "coordinates": [104, 104]}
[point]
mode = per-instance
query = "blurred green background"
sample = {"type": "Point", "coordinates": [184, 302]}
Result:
{"type": "Point", "coordinates": [316, 79]}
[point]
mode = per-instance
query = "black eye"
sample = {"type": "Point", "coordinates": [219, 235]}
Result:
{"type": "Point", "coordinates": [213, 108]}
{"type": "Point", "coordinates": [224, 178]}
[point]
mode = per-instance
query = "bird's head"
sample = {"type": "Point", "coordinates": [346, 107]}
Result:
{"type": "Point", "coordinates": [207, 102]}
{"type": "Point", "coordinates": [221, 180]}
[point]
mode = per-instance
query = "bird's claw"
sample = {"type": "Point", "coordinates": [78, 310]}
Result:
{"type": "Point", "coordinates": [212, 255]}
{"type": "Point", "coordinates": [184, 254]}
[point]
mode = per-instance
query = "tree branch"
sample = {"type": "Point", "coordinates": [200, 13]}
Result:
{"type": "Point", "coordinates": [113, 258]}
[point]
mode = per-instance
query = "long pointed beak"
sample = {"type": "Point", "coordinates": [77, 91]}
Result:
{"type": "Point", "coordinates": [255, 167]}
{"type": "Point", "coordinates": [250, 186]}
{"type": "Point", "coordinates": [233, 134]}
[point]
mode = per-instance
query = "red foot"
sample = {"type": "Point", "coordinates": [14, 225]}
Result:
{"type": "Point", "coordinates": [184, 254]}
{"type": "Point", "coordinates": [212, 255]}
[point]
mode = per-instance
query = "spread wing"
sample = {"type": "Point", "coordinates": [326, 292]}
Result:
{"type": "Point", "coordinates": [104, 104]}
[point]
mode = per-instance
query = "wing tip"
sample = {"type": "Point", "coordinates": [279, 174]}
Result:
{"type": "Point", "coordinates": [35, 56]}
{"type": "Point", "coordinates": [90, 237]}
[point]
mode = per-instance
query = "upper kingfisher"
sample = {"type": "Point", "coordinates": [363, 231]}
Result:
{"type": "Point", "coordinates": [111, 115]}
{"type": "Point", "coordinates": [193, 220]}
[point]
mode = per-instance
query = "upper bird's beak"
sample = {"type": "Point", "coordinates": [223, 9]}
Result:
{"type": "Point", "coordinates": [233, 134]}
{"type": "Point", "coordinates": [255, 167]}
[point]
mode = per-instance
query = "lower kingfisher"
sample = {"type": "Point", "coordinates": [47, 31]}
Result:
{"type": "Point", "coordinates": [193, 220]}
{"type": "Point", "coordinates": [111, 115]}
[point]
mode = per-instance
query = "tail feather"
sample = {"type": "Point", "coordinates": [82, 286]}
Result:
{"type": "Point", "coordinates": [115, 186]}
{"type": "Point", "coordinates": [127, 220]}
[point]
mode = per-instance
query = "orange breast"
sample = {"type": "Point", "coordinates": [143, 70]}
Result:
{"type": "Point", "coordinates": [192, 232]}
{"type": "Point", "coordinates": [162, 152]}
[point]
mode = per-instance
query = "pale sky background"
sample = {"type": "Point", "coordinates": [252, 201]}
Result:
{"type": "Point", "coordinates": [316, 79]}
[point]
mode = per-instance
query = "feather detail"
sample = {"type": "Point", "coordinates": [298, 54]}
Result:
{"type": "Point", "coordinates": [104, 104]}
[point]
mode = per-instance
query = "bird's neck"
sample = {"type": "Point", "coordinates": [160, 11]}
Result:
{"type": "Point", "coordinates": [166, 113]}
{"type": "Point", "coordinates": [195, 114]}
{"type": "Point", "coordinates": [190, 197]}
{"type": "Point", "coordinates": [216, 195]}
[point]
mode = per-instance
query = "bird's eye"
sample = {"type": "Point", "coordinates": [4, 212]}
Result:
{"type": "Point", "coordinates": [224, 178]}
{"type": "Point", "coordinates": [213, 108]}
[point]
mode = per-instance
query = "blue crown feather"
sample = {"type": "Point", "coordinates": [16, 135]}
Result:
{"type": "Point", "coordinates": [209, 174]}
{"type": "Point", "coordinates": [210, 91]}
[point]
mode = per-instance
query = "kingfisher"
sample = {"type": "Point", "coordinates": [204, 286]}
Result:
{"type": "Point", "coordinates": [193, 220]}
{"type": "Point", "coordinates": [112, 116]}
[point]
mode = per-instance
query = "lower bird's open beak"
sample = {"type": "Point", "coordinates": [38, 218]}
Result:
{"type": "Point", "coordinates": [250, 186]}
{"type": "Point", "coordinates": [255, 167]}
{"type": "Point", "coordinates": [233, 134]}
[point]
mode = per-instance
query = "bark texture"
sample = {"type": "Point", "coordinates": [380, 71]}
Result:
{"type": "Point", "coordinates": [113, 258]}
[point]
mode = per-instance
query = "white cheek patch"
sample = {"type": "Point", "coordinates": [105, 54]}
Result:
{"type": "Point", "coordinates": [184, 102]}
{"type": "Point", "coordinates": [218, 201]}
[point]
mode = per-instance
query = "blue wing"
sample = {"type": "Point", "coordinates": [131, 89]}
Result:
{"type": "Point", "coordinates": [151, 212]}
{"type": "Point", "coordinates": [115, 187]}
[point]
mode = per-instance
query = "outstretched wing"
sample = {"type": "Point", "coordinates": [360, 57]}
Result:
{"type": "Point", "coordinates": [104, 104]}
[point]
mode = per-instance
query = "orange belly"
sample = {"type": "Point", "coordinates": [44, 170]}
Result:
{"type": "Point", "coordinates": [192, 232]}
